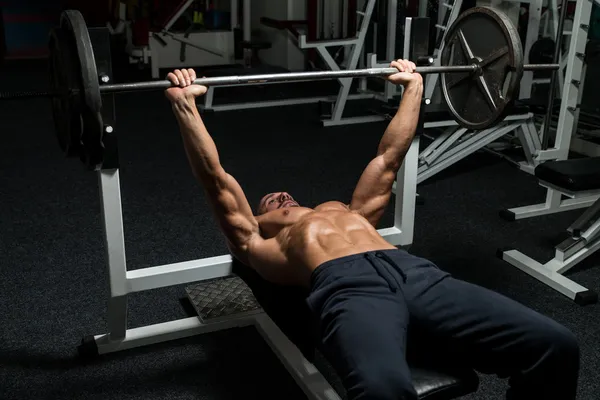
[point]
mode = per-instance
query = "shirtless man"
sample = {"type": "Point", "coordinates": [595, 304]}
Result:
{"type": "Point", "coordinates": [367, 294]}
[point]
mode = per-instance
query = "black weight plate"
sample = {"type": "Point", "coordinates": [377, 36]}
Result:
{"type": "Point", "coordinates": [63, 81]}
{"type": "Point", "coordinates": [73, 23]}
{"type": "Point", "coordinates": [542, 52]}
{"type": "Point", "coordinates": [485, 37]}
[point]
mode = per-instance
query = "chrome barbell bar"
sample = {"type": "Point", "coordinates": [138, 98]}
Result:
{"type": "Point", "coordinates": [303, 76]}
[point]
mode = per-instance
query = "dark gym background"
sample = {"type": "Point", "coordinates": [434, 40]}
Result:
{"type": "Point", "coordinates": [53, 282]}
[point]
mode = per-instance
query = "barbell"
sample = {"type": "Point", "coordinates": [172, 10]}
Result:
{"type": "Point", "coordinates": [481, 66]}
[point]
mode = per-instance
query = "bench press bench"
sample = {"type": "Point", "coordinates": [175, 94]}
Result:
{"type": "Point", "coordinates": [579, 181]}
{"type": "Point", "coordinates": [284, 320]}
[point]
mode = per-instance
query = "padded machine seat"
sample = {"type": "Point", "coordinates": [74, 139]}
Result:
{"type": "Point", "coordinates": [287, 308]}
{"type": "Point", "coordinates": [576, 175]}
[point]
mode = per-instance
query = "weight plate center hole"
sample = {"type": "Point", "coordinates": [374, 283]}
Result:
{"type": "Point", "coordinates": [479, 70]}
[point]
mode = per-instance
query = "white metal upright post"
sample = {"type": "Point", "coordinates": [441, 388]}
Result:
{"type": "Point", "coordinates": [112, 218]}
{"type": "Point", "coordinates": [406, 199]}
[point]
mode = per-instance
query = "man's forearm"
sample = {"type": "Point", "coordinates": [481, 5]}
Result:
{"type": "Point", "coordinates": [199, 146]}
{"type": "Point", "coordinates": [401, 130]}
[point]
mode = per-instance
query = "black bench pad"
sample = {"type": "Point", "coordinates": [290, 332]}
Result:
{"type": "Point", "coordinates": [576, 175]}
{"type": "Point", "coordinates": [287, 308]}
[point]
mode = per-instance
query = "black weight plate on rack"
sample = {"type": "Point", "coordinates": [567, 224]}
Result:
{"type": "Point", "coordinates": [72, 22]}
{"type": "Point", "coordinates": [64, 82]}
{"type": "Point", "coordinates": [542, 51]}
{"type": "Point", "coordinates": [485, 37]}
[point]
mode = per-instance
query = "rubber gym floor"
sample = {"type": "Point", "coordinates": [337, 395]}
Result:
{"type": "Point", "coordinates": [54, 280]}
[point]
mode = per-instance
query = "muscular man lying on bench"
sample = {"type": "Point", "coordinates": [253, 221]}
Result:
{"type": "Point", "coordinates": [367, 294]}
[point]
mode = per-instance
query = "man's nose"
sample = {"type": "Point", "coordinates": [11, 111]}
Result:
{"type": "Point", "coordinates": [284, 196]}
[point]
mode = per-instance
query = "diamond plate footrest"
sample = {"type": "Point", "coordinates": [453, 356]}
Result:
{"type": "Point", "coordinates": [219, 299]}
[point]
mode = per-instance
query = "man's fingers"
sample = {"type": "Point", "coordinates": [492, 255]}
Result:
{"type": "Point", "coordinates": [406, 66]}
{"type": "Point", "coordinates": [180, 77]}
{"type": "Point", "coordinates": [397, 65]}
{"type": "Point", "coordinates": [186, 77]}
{"type": "Point", "coordinates": [173, 78]}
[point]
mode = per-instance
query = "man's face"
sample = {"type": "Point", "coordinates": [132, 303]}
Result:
{"type": "Point", "coordinates": [274, 201]}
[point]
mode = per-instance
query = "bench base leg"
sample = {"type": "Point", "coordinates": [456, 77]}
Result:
{"type": "Point", "coordinates": [553, 205]}
{"type": "Point", "coordinates": [549, 273]}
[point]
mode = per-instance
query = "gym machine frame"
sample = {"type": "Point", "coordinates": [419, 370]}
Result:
{"type": "Point", "coordinates": [569, 111]}
{"type": "Point", "coordinates": [571, 252]}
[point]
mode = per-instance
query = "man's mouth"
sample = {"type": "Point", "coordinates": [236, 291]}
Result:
{"type": "Point", "coordinates": [289, 203]}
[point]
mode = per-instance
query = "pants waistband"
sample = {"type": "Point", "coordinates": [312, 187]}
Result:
{"type": "Point", "coordinates": [387, 272]}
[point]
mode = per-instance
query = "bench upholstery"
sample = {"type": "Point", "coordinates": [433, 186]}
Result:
{"type": "Point", "coordinates": [575, 175]}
